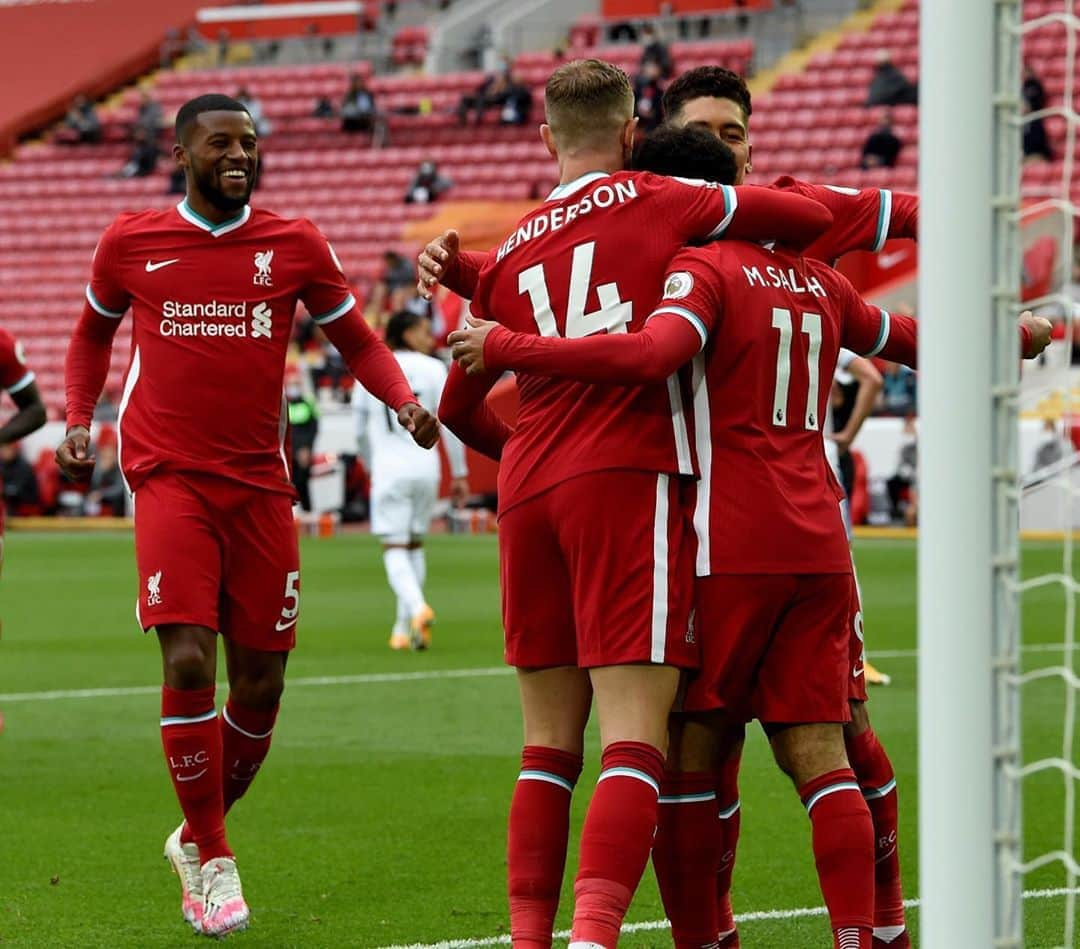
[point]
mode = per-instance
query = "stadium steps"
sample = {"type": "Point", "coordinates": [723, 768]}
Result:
{"type": "Point", "coordinates": [825, 42]}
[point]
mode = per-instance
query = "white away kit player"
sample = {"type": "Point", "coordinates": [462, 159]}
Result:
{"type": "Point", "coordinates": [404, 480]}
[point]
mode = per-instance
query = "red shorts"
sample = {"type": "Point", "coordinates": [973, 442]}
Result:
{"type": "Point", "coordinates": [857, 652]}
{"type": "Point", "coordinates": [773, 647]}
{"type": "Point", "coordinates": [598, 571]}
{"type": "Point", "coordinates": [219, 554]}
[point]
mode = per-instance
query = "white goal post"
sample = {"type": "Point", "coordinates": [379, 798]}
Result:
{"type": "Point", "coordinates": [969, 277]}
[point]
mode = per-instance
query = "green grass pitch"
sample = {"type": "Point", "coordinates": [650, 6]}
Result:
{"type": "Point", "coordinates": [378, 819]}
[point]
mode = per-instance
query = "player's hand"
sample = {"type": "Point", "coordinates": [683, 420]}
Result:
{"type": "Point", "coordinates": [1040, 330]}
{"type": "Point", "coordinates": [467, 345]}
{"type": "Point", "coordinates": [420, 423]}
{"type": "Point", "coordinates": [459, 492]}
{"type": "Point", "coordinates": [73, 456]}
{"type": "Point", "coordinates": [433, 261]}
{"type": "Point", "coordinates": [842, 440]}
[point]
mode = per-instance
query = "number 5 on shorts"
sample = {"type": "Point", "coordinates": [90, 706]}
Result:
{"type": "Point", "coordinates": [291, 609]}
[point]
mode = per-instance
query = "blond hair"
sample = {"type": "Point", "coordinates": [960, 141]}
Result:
{"type": "Point", "coordinates": [587, 102]}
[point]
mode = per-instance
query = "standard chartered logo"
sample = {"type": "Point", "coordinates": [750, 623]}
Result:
{"type": "Point", "coordinates": [216, 319]}
{"type": "Point", "coordinates": [260, 321]}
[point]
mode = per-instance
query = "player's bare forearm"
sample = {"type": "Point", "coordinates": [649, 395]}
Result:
{"type": "Point", "coordinates": [870, 386]}
{"type": "Point", "coordinates": [464, 410]}
{"type": "Point", "coordinates": [651, 355]}
{"type": "Point", "coordinates": [86, 366]}
{"type": "Point", "coordinates": [369, 360]}
{"type": "Point", "coordinates": [30, 417]}
{"type": "Point", "coordinates": [784, 216]}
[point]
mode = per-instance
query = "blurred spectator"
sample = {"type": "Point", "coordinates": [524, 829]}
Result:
{"type": "Point", "coordinates": [195, 44]}
{"type": "Point", "coordinates": [149, 118]}
{"type": "Point", "coordinates": [304, 428]}
{"type": "Point", "coordinates": [18, 479]}
{"type": "Point", "coordinates": [324, 109]}
{"type": "Point", "coordinates": [490, 94]}
{"type": "Point", "coordinates": [647, 95]}
{"type": "Point", "coordinates": [222, 46]}
{"type": "Point", "coordinates": [83, 121]}
{"type": "Point", "coordinates": [400, 271]}
{"type": "Point", "coordinates": [428, 185]}
{"type": "Point", "coordinates": [655, 50]}
{"type": "Point", "coordinates": [106, 410]}
{"type": "Point", "coordinates": [1033, 91]}
{"type": "Point", "coordinates": [889, 86]}
{"type": "Point", "coordinates": [517, 106]}
{"type": "Point", "coordinates": [901, 485]}
{"type": "Point", "coordinates": [1053, 447]}
{"type": "Point", "coordinates": [898, 390]}
{"type": "Point", "coordinates": [358, 107]}
{"type": "Point", "coordinates": [255, 110]}
{"type": "Point", "coordinates": [882, 148]}
{"type": "Point", "coordinates": [171, 47]}
{"type": "Point", "coordinates": [143, 158]}
{"type": "Point", "coordinates": [107, 494]}
{"type": "Point", "coordinates": [1036, 142]}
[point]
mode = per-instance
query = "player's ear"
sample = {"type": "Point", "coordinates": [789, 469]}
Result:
{"type": "Point", "coordinates": [548, 139]}
{"type": "Point", "coordinates": [628, 134]}
{"type": "Point", "coordinates": [180, 154]}
{"type": "Point", "coordinates": [749, 167]}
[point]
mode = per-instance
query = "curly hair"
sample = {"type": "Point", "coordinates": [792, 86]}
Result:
{"type": "Point", "coordinates": [712, 82]}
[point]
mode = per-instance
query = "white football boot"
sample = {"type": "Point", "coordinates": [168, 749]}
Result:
{"type": "Point", "coordinates": [224, 909]}
{"type": "Point", "coordinates": [185, 863]}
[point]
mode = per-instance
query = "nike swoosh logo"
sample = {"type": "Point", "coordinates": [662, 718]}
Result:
{"type": "Point", "coordinates": [885, 856]}
{"type": "Point", "coordinates": [191, 777]}
{"type": "Point", "coordinates": [281, 628]}
{"type": "Point", "coordinates": [888, 261]}
{"type": "Point", "coordinates": [151, 266]}
{"type": "Point", "coordinates": [855, 673]}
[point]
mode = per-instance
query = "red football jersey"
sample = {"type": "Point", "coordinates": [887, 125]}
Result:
{"type": "Point", "coordinates": [862, 219]}
{"type": "Point", "coordinates": [14, 374]}
{"type": "Point", "coordinates": [591, 260]}
{"type": "Point", "coordinates": [213, 309]}
{"type": "Point", "coordinates": [767, 501]}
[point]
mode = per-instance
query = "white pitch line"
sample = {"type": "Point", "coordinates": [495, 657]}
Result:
{"type": "Point", "coordinates": [372, 678]}
{"type": "Point", "coordinates": [741, 918]}
{"type": "Point", "coordinates": [362, 679]}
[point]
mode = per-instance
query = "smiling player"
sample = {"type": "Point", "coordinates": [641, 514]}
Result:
{"type": "Point", "coordinates": [213, 285]}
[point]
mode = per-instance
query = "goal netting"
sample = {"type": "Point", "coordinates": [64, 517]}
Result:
{"type": "Point", "coordinates": [1000, 479]}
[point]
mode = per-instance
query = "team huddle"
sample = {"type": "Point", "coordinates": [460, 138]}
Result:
{"type": "Point", "coordinates": [672, 548]}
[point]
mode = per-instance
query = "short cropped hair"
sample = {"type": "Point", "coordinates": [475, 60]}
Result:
{"type": "Point", "coordinates": [193, 108]}
{"type": "Point", "coordinates": [711, 82]}
{"type": "Point", "coordinates": [586, 102]}
{"type": "Point", "coordinates": [687, 152]}
{"type": "Point", "coordinates": [398, 325]}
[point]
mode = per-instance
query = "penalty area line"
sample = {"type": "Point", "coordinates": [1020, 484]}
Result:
{"type": "Point", "coordinates": [803, 912]}
{"type": "Point", "coordinates": [370, 678]}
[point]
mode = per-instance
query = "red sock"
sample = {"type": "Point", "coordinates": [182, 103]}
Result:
{"type": "Point", "coordinates": [245, 740]}
{"type": "Point", "coordinates": [874, 772]}
{"type": "Point", "coordinates": [727, 799]}
{"type": "Point", "coordinates": [192, 743]}
{"type": "Point", "coordinates": [843, 837]}
{"type": "Point", "coordinates": [536, 844]}
{"type": "Point", "coordinates": [616, 840]}
{"type": "Point", "coordinates": [686, 856]}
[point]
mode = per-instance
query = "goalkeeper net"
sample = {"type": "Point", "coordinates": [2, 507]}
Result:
{"type": "Point", "coordinates": [1036, 477]}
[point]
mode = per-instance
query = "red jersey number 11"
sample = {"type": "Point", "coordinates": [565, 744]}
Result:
{"type": "Point", "coordinates": [614, 314]}
{"type": "Point", "coordinates": [811, 326]}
